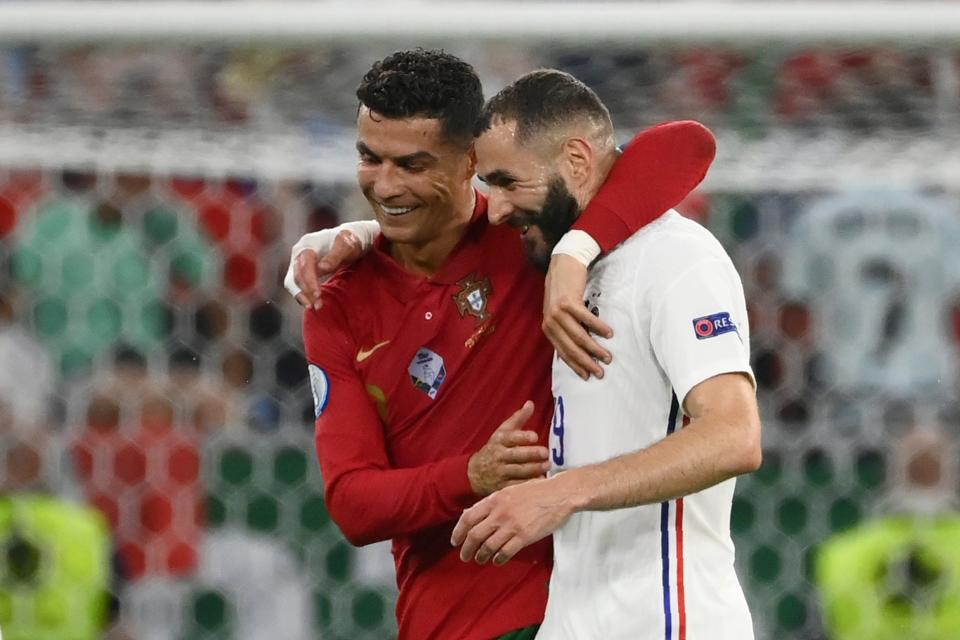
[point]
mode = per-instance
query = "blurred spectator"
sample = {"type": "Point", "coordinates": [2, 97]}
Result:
{"type": "Point", "coordinates": [862, 90]}
{"type": "Point", "coordinates": [879, 271]}
{"type": "Point", "coordinates": [54, 554]}
{"type": "Point", "coordinates": [55, 563]}
{"type": "Point", "coordinates": [27, 399]}
{"type": "Point", "coordinates": [898, 576]}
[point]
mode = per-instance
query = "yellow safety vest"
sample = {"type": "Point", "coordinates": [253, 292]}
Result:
{"type": "Point", "coordinates": [54, 569]}
{"type": "Point", "coordinates": [895, 578]}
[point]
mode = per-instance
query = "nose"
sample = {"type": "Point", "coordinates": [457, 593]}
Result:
{"type": "Point", "coordinates": [387, 183]}
{"type": "Point", "coordinates": [499, 208]}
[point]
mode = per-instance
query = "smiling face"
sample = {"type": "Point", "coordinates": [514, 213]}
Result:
{"type": "Point", "coordinates": [415, 179]}
{"type": "Point", "coordinates": [527, 191]}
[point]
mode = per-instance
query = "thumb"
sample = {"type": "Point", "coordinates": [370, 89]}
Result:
{"type": "Point", "coordinates": [519, 418]}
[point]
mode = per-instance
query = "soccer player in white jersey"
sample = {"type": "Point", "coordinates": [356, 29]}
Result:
{"type": "Point", "coordinates": [644, 459]}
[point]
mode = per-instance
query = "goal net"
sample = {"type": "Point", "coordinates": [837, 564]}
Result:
{"type": "Point", "coordinates": [158, 160]}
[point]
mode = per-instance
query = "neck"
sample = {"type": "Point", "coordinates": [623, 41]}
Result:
{"type": "Point", "coordinates": [427, 257]}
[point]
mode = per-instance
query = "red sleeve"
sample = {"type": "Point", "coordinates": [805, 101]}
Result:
{"type": "Point", "coordinates": [656, 171]}
{"type": "Point", "coordinates": [369, 500]}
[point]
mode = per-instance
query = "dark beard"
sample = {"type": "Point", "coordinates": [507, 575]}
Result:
{"type": "Point", "coordinates": [560, 210]}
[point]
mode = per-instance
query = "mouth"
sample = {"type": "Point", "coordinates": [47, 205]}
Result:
{"type": "Point", "coordinates": [395, 212]}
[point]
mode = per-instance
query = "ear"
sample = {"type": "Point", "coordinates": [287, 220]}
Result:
{"type": "Point", "coordinates": [577, 158]}
{"type": "Point", "coordinates": [472, 160]}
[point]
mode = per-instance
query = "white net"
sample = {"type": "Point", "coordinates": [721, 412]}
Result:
{"type": "Point", "coordinates": [152, 364]}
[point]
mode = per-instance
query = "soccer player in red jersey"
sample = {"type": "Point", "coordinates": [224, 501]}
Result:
{"type": "Point", "coordinates": [423, 349]}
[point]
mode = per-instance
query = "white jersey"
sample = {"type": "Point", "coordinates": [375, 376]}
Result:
{"type": "Point", "coordinates": [879, 270]}
{"type": "Point", "coordinates": [662, 571]}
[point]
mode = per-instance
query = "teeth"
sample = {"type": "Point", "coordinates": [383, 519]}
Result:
{"type": "Point", "coordinates": [396, 211]}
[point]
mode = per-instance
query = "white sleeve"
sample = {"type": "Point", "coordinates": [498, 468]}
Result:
{"type": "Point", "coordinates": [366, 231]}
{"type": "Point", "coordinates": [698, 325]}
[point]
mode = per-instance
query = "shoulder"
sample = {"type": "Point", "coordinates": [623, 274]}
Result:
{"type": "Point", "coordinates": [667, 245]}
{"type": "Point", "coordinates": [344, 296]}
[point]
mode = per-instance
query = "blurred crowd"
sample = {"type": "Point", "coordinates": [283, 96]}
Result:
{"type": "Point", "coordinates": [152, 370]}
{"type": "Point", "coordinates": [864, 90]}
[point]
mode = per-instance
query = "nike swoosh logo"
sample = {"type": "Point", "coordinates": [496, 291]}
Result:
{"type": "Point", "coordinates": [363, 354]}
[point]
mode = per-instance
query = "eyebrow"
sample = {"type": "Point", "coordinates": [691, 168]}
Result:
{"type": "Point", "coordinates": [498, 178]}
{"type": "Point", "coordinates": [411, 158]}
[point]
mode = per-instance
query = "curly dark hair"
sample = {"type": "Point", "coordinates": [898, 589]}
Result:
{"type": "Point", "coordinates": [541, 100]}
{"type": "Point", "coordinates": [428, 84]}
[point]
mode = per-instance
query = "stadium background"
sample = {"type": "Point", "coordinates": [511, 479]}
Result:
{"type": "Point", "coordinates": [152, 364]}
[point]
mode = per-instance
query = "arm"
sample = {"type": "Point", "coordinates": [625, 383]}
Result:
{"type": "Point", "coordinates": [721, 441]}
{"type": "Point", "coordinates": [368, 498]}
{"type": "Point", "coordinates": [659, 167]}
{"type": "Point", "coordinates": [657, 170]}
{"type": "Point", "coordinates": [315, 256]}
{"type": "Point", "coordinates": [711, 376]}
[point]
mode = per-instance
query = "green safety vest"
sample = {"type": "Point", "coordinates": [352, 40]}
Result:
{"type": "Point", "coordinates": [54, 569]}
{"type": "Point", "coordinates": [895, 578]}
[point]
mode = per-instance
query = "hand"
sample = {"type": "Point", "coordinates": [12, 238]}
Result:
{"type": "Point", "coordinates": [565, 316]}
{"type": "Point", "coordinates": [311, 270]}
{"type": "Point", "coordinates": [502, 524]}
{"type": "Point", "coordinates": [511, 455]}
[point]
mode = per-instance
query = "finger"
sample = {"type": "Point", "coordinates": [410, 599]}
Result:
{"type": "Point", "coordinates": [468, 519]}
{"type": "Point", "coordinates": [474, 538]}
{"type": "Point", "coordinates": [520, 455]}
{"type": "Point", "coordinates": [575, 357]}
{"type": "Point", "coordinates": [578, 321]}
{"type": "Point", "coordinates": [492, 545]}
{"type": "Point", "coordinates": [572, 328]}
{"type": "Point", "coordinates": [303, 300]}
{"type": "Point", "coordinates": [525, 471]}
{"type": "Point", "coordinates": [519, 418]}
{"type": "Point", "coordinates": [510, 548]}
{"type": "Point", "coordinates": [592, 322]}
{"type": "Point", "coordinates": [305, 273]}
{"type": "Point", "coordinates": [517, 438]}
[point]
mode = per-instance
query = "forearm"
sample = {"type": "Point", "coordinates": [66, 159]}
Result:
{"type": "Point", "coordinates": [695, 458]}
{"type": "Point", "coordinates": [656, 171]}
{"type": "Point", "coordinates": [372, 504]}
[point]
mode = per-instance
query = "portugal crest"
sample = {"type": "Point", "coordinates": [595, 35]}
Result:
{"type": "Point", "coordinates": [473, 296]}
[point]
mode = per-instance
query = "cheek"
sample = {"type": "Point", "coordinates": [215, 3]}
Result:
{"type": "Point", "coordinates": [436, 188]}
{"type": "Point", "coordinates": [365, 178]}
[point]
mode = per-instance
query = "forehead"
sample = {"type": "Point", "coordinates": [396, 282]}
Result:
{"type": "Point", "coordinates": [398, 136]}
{"type": "Point", "coordinates": [498, 150]}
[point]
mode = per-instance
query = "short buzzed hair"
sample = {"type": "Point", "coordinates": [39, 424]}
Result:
{"type": "Point", "coordinates": [542, 101]}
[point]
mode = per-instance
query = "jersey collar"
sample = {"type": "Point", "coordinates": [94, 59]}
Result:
{"type": "Point", "coordinates": [463, 260]}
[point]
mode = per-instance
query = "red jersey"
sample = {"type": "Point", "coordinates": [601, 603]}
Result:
{"type": "Point", "coordinates": [412, 374]}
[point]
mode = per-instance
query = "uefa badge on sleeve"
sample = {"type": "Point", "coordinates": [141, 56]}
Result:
{"type": "Point", "coordinates": [714, 325]}
{"type": "Point", "coordinates": [320, 386]}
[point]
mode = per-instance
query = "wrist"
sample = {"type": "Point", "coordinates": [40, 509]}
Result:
{"type": "Point", "coordinates": [578, 245]}
{"type": "Point", "coordinates": [573, 492]}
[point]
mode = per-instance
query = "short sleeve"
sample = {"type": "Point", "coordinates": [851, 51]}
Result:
{"type": "Point", "coordinates": [698, 324]}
